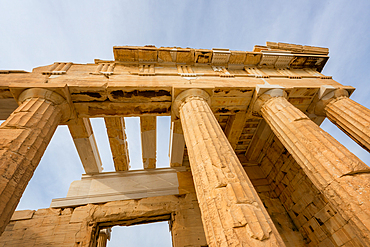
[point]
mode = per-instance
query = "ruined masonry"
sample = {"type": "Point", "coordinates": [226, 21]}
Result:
{"type": "Point", "coordinates": [249, 164]}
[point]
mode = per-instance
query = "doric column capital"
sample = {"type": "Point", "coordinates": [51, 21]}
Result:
{"type": "Point", "coordinates": [263, 96]}
{"type": "Point", "coordinates": [187, 95]}
{"type": "Point", "coordinates": [329, 97]}
{"type": "Point", "coordinates": [48, 95]}
{"type": "Point", "coordinates": [104, 235]}
{"type": "Point", "coordinates": [106, 232]}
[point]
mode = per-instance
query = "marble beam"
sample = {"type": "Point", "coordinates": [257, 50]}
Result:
{"type": "Point", "coordinates": [84, 140]}
{"type": "Point", "coordinates": [118, 142]}
{"type": "Point", "coordinates": [177, 144]}
{"type": "Point", "coordinates": [148, 125]}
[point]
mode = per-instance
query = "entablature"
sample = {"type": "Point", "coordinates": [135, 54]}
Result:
{"type": "Point", "coordinates": [145, 81]}
{"type": "Point", "coordinates": [119, 95]}
{"type": "Point", "coordinates": [107, 83]}
{"type": "Point", "coordinates": [273, 55]}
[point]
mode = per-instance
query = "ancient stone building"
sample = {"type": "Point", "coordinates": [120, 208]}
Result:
{"type": "Point", "coordinates": [250, 165]}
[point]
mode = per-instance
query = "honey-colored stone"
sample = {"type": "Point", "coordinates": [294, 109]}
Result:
{"type": "Point", "coordinates": [23, 139]}
{"type": "Point", "coordinates": [84, 139]}
{"type": "Point", "coordinates": [335, 171]}
{"type": "Point", "coordinates": [78, 226]}
{"type": "Point", "coordinates": [104, 236]}
{"type": "Point", "coordinates": [118, 144]}
{"type": "Point", "coordinates": [149, 141]}
{"type": "Point", "coordinates": [267, 177]}
{"type": "Point", "coordinates": [352, 118]}
{"type": "Point", "coordinates": [232, 212]}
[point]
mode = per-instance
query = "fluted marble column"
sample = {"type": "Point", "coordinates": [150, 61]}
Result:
{"type": "Point", "coordinates": [24, 137]}
{"type": "Point", "coordinates": [349, 116]}
{"type": "Point", "coordinates": [232, 213]}
{"type": "Point", "coordinates": [336, 172]}
{"type": "Point", "coordinates": [104, 236]}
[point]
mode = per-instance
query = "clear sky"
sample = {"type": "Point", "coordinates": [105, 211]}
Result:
{"type": "Point", "coordinates": [35, 33]}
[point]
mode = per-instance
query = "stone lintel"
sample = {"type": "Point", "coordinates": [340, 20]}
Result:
{"type": "Point", "coordinates": [80, 226]}
{"type": "Point", "coordinates": [127, 96]}
{"type": "Point", "coordinates": [124, 185]}
{"type": "Point", "coordinates": [119, 109]}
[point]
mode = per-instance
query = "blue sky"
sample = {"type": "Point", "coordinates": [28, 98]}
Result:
{"type": "Point", "coordinates": [35, 33]}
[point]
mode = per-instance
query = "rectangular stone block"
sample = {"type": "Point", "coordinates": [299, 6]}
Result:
{"type": "Point", "coordinates": [22, 215]}
{"type": "Point", "coordinates": [325, 213]}
{"type": "Point", "coordinates": [340, 237]}
{"type": "Point", "coordinates": [123, 185]}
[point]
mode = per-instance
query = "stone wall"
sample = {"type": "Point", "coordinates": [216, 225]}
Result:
{"type": "Point", "coordinates": [45, 227]}
{"type": "Point", "coordinates": [318, 221]}
{"type": "Point", "coordinates": [79, 226]}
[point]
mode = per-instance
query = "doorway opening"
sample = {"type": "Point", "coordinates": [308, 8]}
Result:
{"type": "Point", "coordinates": [151, 234]}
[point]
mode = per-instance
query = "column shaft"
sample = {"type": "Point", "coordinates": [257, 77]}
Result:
{"type": "Point", "coordinates": [104, 236]}
{"type": "Point", "coordinates": [24, 137]}
{"type": "Point", "coordinates": [232, 213]}
{"type": "Point", "coordinates": [352, 118]}
{"type": "Point", "coordinates": [102, 240]}
{"type": "Point", "coordinates": [335, 171]}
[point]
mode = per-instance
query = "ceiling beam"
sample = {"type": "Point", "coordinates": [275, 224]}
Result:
{"type": "Point", "coordinates": [234, 127]}
{"type": "Point", "coordinates": [85, 143]}
{"type": "Point", "coordinates": [262, 134]}
{"type": "Point", "coordinates": [118, 142]}
{"type": "Point", "coordinates": [148, 125]}
{"type": "Point", "coordinates": [177, 144]}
